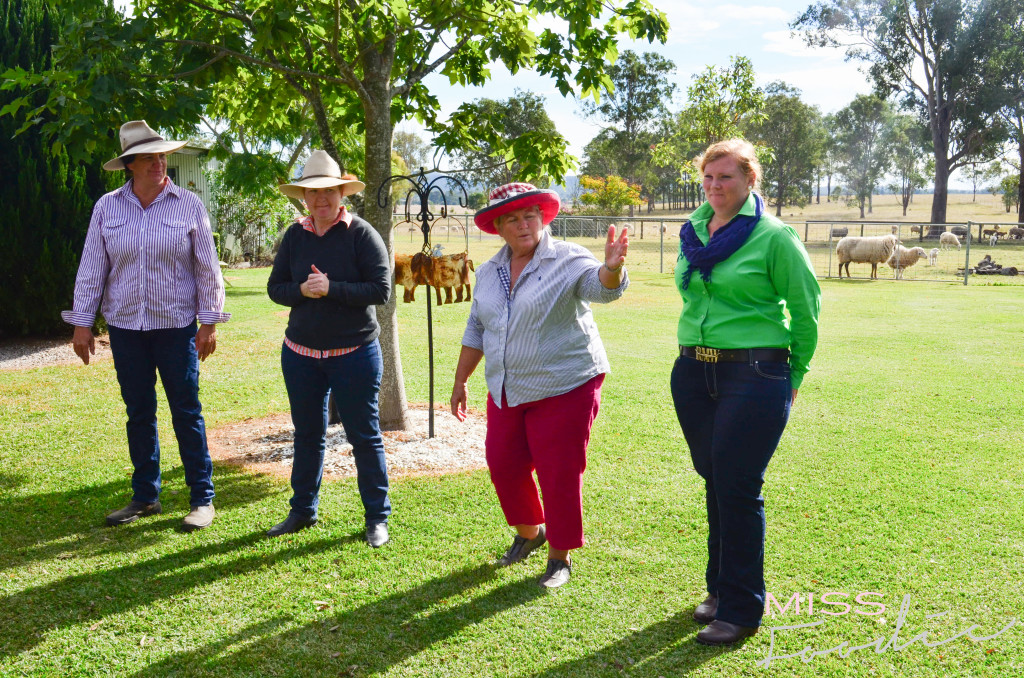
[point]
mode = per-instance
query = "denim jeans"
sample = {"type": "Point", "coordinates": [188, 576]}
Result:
{"type": "Point", "coordinates": [732, 415]}
{"type": "Point", "coordinates": [138, 356]}
{"type": "Point", "coordinates": [354, 379]}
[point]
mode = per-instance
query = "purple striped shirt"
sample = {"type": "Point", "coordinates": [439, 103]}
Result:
{"type": "Point", "coordinates": [148, 269]}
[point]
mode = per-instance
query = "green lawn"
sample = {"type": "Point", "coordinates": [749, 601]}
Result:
{"type": "Point", "coordinates": [900, 473]}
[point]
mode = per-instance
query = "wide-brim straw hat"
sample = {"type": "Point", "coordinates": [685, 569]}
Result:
{"type": "Point", "coordinates": [137, 138]}
{"type": "Point", "coordinates": [516, 196]}
{"type": "Point", "coordinates": [321, 171]}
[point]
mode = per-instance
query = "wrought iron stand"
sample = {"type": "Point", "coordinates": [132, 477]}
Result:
{"type": "Point", "coordinates": [423, 188]}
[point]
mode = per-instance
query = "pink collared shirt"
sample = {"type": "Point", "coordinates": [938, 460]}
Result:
{"type": "Point", "coordinates": [343, 217]}
{"type": "Point", "coordinates": [148, 269]}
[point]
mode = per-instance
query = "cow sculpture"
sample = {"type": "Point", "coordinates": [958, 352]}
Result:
{"type": "Point", "coordinates": [448, 271]}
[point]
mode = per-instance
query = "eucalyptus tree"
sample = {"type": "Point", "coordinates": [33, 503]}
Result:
{"type": "Point", "coordinates": [520, 119]}
{"type": "Point", "coordinates": [792, 129]}
{"type": "Point", "coordinates": [938, 55]}
{"type": "Point", "coordinates": [864, 157]}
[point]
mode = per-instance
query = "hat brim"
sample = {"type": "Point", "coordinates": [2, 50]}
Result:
{"type": "Point", "coordinates": [297, 189]}
{"type": "Point", "coordinates": [548, 201]}
{"type": "Point", "coordinates": [151, 147]}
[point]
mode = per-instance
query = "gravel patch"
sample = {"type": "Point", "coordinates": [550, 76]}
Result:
{"type": "Point", "coordinates": [23, 354]}
{"type": "Point", "coordinates": [266, 445]}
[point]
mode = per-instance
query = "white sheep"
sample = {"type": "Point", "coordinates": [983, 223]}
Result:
{"type": "Point", "coordinates": [993, 240]}
{"type": "Point", "coordinates": [874, 250]}
{"type": "Point", "coordinates": [933, 256]}
{"type": "Point", "coordinates": [947, 240]}
{"type": "Point", "coordinates": [903, 258]}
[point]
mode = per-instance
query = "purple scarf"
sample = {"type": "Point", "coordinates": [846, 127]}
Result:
{"type": "Point", "coordinates": [720, 247]}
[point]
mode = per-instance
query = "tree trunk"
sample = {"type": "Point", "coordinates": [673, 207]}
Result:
{"type": "Point", "coordinates": [780, 190]}
{"type": "Point", "coordinates": [1020, 182]}
{"type": "Point", "coordinates": [379, 131]}
{"type": "Point", "coordinates": [941, 193]}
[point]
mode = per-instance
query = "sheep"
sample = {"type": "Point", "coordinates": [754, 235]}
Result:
{"type": "Point", "coordinates": [959, 231]}
{"type": "Point", "coordinates": [994, 232]}
{"type": "Point", "coordinates": [933, 256]}
{"type": "Point", "coordinates": [948, 239]}
{"type": "Point", "coordinates": [993, 240]}
{"type": "Point", "coordinates": [903, 258]}
{"type": "Point", "coordinates": [1016, 233]}
{"type": "Point", "coordinates": [872, 250]}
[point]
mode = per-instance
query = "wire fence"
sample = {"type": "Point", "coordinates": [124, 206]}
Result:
{"type": "Point", "coordinates": [980, 248]}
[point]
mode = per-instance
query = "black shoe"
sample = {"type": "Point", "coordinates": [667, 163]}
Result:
{"type": "Point", "coordinates": [706, 611]}
{"type": "Point", "coordinates": [521, 548]}
{"type": "Point", "coordinates": [377, 534]}
{"type": "Point", "coordinates": [558, 573]}
{"type": "Point", "coordinates": [132, 511]}
{"type": "Point", "coordinates": [292, 523]}
{"type": "Point", "coordinates": [721, 632]}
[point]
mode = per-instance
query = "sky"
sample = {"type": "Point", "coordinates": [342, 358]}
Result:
{"type": "Point", "coordinates": [700, 35]}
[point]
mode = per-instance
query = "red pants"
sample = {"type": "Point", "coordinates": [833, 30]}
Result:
{"type": "Point", "coordinates": [551, 437]}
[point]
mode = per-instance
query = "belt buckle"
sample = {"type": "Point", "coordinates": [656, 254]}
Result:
{"type": "Point", "coordinates": [706, 355]}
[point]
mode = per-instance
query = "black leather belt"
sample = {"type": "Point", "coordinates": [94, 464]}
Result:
{"type": "Point", "coordinates": [735, 355]}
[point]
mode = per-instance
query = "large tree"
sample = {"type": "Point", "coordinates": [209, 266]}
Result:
{"type": "Point", "coordinates": [640, 98]}
{"type": "Point", "coordinates": [522, 119]}
{"type": "Point", "coordinates": [909, 145]}
{"type": "Point", "coordinates": [938, 55]}
{"type": "Point", "coordinates": [364, 65]}
{"type": "Point", "coordinates": [864, 156]}
{"type": "Point", "coordinates": [792, 129]}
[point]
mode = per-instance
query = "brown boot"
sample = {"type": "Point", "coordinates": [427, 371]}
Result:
{"type": "Point", "coordinates": [133, 511]}
{"type": "Point", "coordinates": [721, 632]}
{"type": "Point", "coordinates": [706, 611]}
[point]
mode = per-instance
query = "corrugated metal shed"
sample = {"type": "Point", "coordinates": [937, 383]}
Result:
{"type": "Point", "coordinates": [185, 167]}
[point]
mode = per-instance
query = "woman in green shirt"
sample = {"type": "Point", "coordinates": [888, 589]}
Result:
{"type": "Point", "coordinates": [747, 332]}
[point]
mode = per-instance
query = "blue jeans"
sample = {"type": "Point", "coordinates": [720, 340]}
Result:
{"type": "Point", "coordinates": [138, 356]}
{"type": "Point", "coordinates": [354, 379]}
{"type": "Point", "coordinates": [732, 415]}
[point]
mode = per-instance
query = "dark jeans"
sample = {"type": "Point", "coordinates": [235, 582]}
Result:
{"type": "Point", "coordinates": [138, 356]}
{"type": "Point", "coordinates": [354, 379]}
{"type": "Point", "coordinates": [733, 415]}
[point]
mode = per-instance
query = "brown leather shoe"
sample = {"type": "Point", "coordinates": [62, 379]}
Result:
{"type": "Point", "coordinates": [132, 512]}
{"type": "Point", "coordinates": [720, 632]}
{"type": "Point", "coordinates": [706, 611]}
{"type": "Point", "coordinates": [198, 518]}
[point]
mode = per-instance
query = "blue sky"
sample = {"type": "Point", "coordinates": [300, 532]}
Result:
{"type": "Point", "coordinates": [699, 35]}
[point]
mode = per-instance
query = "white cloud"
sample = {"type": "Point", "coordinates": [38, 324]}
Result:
{"type": "Point", "coordinates": [755, 14]}
{"type": "Point", "coordinates": [829, 87]}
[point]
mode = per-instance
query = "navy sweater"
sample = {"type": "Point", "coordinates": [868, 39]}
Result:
{"type": "Point", "coordinates": [355, 261]}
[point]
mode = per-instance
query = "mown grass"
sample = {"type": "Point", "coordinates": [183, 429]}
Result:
{"type": "Point", "coordinates": [899, 473]}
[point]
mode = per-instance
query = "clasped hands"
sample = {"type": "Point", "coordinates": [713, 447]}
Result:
{"type": "Point", "coordinates": [317, 285]}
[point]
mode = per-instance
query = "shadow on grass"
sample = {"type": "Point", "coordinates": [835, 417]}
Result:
{"type": "Point", "coordinates": [27, 617]}
{"type": "Point", "coordinates": [372, 637]}
{"type": "Point", "coordinates": [72, 523]}
{"type": "Point", "coordinates": [658, 650]}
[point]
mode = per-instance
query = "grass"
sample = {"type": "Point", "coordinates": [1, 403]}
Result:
{"type": "Point", "coordinates": [899, 474]}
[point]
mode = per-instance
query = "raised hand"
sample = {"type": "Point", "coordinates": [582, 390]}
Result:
{"type": "Point", "coordinates": [615, 248]}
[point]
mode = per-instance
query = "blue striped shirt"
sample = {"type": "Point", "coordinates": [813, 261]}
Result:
{"type": "Point", "coordinates": [148, 269]}
{"type": "Point", "coordinates": [539, 339]}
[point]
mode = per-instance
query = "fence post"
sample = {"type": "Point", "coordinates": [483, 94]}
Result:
{"type": "Point", "coordinates": [661, 248]}
{"type": "Point", "coordinates": [967, 256]}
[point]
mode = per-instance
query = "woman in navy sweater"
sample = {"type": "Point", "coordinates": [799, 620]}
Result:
{"type": "Point", "coordinates": [332, 269]}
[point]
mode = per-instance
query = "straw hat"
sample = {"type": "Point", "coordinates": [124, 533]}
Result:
{"type": "Point", "coordinates": [137, 138]}
{"type": "Point", "coordinates": [321, 171]}
{"type": "Point", "coordinates": [516, 196]}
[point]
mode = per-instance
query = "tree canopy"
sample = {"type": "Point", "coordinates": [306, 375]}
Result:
{"type": "Point", "coordinates": [939, 56]}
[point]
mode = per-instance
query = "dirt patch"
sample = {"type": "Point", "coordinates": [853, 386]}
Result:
{"type": "Point", "coordinates": [265, 445]}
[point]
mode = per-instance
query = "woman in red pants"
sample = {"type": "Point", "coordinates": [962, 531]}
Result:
{"type": "Point", "coordinates": [545, 364]}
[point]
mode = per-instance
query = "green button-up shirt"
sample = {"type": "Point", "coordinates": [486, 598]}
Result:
{"type": "Point", "coordinates": [763, 296]}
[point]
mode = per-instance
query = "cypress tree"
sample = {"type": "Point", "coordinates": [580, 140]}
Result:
{"type": "Point", "coordinates": [45, 200]}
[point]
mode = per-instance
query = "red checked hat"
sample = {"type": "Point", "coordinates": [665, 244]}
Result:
{"type": "Point", "coordinates": [516, 196]}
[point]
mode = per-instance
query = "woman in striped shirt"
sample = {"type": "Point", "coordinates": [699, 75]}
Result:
{"type": "Point", "coordinates": [150, 267]}
{"type": "Point", "coordinates": [332, 269]}
{"type": "Point", "coordinates": [545, 364]}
